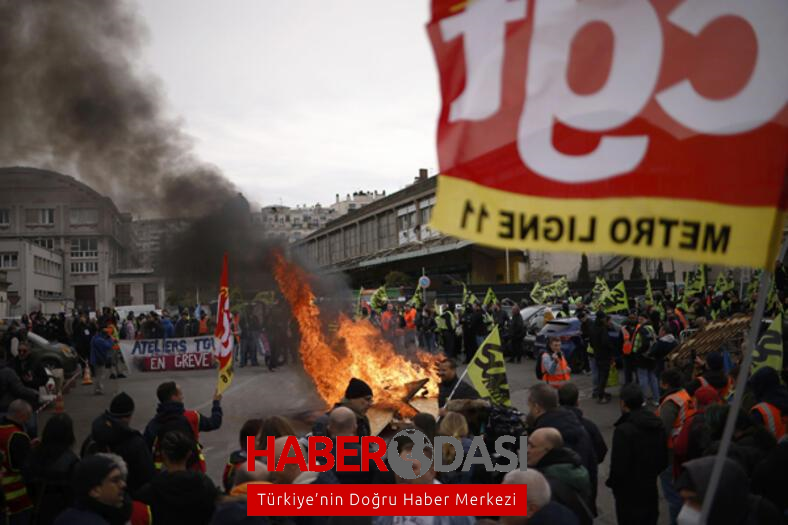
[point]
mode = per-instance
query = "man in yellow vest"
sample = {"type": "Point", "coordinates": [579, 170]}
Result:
{"type": "Point", "coordinates": [14, 449]}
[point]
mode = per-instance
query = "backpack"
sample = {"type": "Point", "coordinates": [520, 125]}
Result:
{"type": "Point", "coordinates": [538, 369]}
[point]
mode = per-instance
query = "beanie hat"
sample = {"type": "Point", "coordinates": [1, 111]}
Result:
{"type": "Point", "coordinates": [357, 388]}
{"type": "Point", "coordinates": [714, 361]}
{"type": "Point", "coordinates": [90, 473]}
{"type": "Point", "coordinates": [122, 405]}
{"type": "Point", "coordinates": [706, 395]}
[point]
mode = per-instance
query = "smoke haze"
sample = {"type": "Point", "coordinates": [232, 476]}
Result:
{"type": "Point", "coordinates": [74, 99]}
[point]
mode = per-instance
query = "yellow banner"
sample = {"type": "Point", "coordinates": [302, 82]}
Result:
{"type": "Point", "coordinates": [769, 350]}
{"type": "Point", "coordinates": [640, 226]}
{"type": "Point", "coordinates": [487, 371]}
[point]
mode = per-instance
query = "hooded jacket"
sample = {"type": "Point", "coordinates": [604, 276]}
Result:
{"type": "Point", "coordinates": [111, 434]}
{"type": "Point", "coordinates": [180, 497]}
{"type": "Point", "coordinates": [733, 503]}
{"type": "Point", "coordinates": [639, 453]}
{"type": "Point", "coordinates": [569, 481]}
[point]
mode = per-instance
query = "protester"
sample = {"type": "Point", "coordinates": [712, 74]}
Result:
{"type": "Point", "coordinates": [276, 427]}
{"type": "Point", "coordinates": [694, 438]}
{"type": "Point", "coordinates": [405, 446]}
{"type": "Point", "coordinates": [11, 388]}
{"type": "Point", "coordinates": [358, 398]}
{"type": "Point", "coordinates": [555, 369]}
{"type": "Point", "coordinates": [179, 494]}
{"type": "Point", "coordinates": [233, 509]}
{"type": "Point", "coordinates": [454, 424]}
{"type": "Point", "coordinates": [342, 422]}
{"type": "Point", "coordinates": [544, 412]}
{"type": "Point", "coordinates": [639, 454]}
{"type": "Point", "coordinates": [569, 398]}
{"type": "Point", "coordinates": [645, 336]}
{"type": "Point", "coordinates": [290, 473]}
{"type": "Point", "coordinates": [250, 428]}
{"type": "Point", "coordinates": [569, 480]}
{"type": "Point", "coordinates": [733, 503]}
{"type": "Point", "coordinates": [14, 452]}
{"type": "Point", "coordinates": [451, 387]}
{"type": "Point", "coordinates": [713, 375]}
{"type": "Point", "coordinates": [516, 336]}
{"type": "Point", "coordinates": [172, 416]}
{"type": "Point", "coordinates": [603, 349]}
{"type": "Point", "coordinates": [100, 496]}
{"type": "Point", "coordinates": [675, 408]}
{"type": "Point", "coordinates": [771, 408]}
{"type": "Point", "coordinates": [112, 432]}
{"type": "Point", "coordinates": [100, 358]}
{"type": "Point", "coordinates": [50, 468]}
{"type": "Point", "coordinates": [540, 509]}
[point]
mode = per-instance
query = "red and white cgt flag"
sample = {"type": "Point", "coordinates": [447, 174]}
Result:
{"type": "Point", "coordinates": [224, 333]}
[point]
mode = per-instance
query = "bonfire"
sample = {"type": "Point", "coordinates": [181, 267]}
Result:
{"type": "Point", "coordinates": [357, 350]}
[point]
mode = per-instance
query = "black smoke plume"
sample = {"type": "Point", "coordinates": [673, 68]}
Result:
{"type": "Point", "coordinates": [73, 98]}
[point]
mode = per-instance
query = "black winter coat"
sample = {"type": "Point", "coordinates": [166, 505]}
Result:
{"type": "Point", "coordinates": [180, 497]}
{"type": "Point", "coordinates": [638, 455]}
{"type": "Point", "coordinates": [600, 448]}
{"type": "Point", "coordinates": [50, 483]}
{"type": "Point", "coordinates": [575, 436]}
{"type": "Point", "coordinates": [109, 433]}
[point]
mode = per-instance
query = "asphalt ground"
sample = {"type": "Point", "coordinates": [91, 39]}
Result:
{"type": "Point", "coordinates": [288, 391]}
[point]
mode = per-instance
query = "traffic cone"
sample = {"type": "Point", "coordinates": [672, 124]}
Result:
{"type": "Point", "coordinates": [59, 404]}
{"type": "Point", "coordinates": [86, 379]}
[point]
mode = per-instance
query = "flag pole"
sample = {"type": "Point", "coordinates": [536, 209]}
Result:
{"type": "Point", "coordinates": [741, 384]}
{"type": "Point", "coordinates": [453, 390]}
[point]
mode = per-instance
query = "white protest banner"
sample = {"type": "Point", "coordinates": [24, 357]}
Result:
{"type": "Point", "coordinates": [178, 353]}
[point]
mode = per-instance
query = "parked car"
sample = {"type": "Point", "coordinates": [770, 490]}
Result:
{"type": "Point", "coordinates": [533, 319]}
{"type": "Point", "coordinates": [52, 354]}
{"type": "Point", "coordinates": [568, 330]}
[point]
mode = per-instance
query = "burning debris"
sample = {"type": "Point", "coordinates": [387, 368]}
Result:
{"type": "Point", "coordinates": [358, 350]}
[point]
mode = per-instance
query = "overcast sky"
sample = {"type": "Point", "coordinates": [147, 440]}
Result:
{"type": "Point", "coordinates": [296, 100]}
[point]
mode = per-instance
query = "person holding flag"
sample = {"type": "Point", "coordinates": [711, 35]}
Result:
{"type": "Point", "coordinates": [487, 372]}
{"type": "Point", "coordinates": [452, 386]}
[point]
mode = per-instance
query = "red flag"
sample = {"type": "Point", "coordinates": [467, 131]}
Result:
{"type": "Point", "coordinates": [224, 333]}
{"type": "Point", "coordinates": [644, 128]}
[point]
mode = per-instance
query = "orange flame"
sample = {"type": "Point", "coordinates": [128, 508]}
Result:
{"type": "Point", "coordinates": [358, 351]}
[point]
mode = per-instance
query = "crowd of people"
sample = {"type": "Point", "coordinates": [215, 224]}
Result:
{"type": "Point", "coordinates": [123, 473]}
{"type": "Point", "coordinates": [663, 444]}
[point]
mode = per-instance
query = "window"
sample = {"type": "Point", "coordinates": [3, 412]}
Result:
{"type": "Point", "coordinates": [122, 294]}
{"type": "Point", "coordinates": [9, 260]}
{"type": "Point", "coordinates": [5, 216]}
{"type": "Point", "coordinates": [46, 267]}
{"type": "Point", "coordinates": [45, 242]}
{"type": "Point", "coordinates": [40, 216]}
{"type": "Point", "coordinates": [83, 216]}
{"type": "Point", "coordinates": [83, 248]}
{"type": "Point", "coordinates": [45, 294]}
{"type": "Point", "coordinates": [84, 267]}
{"type": "Point", "coordinates": [150, 292]}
